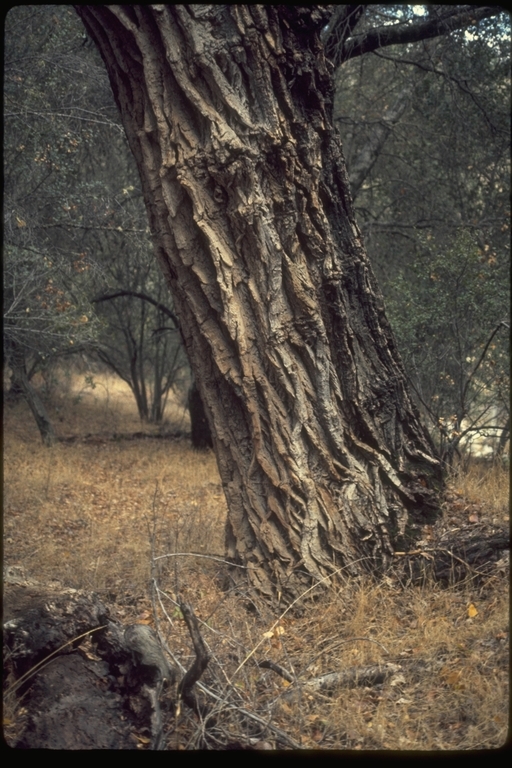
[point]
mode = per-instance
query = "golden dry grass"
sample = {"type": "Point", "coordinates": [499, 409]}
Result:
{"type": "Point", "coordinates": [92, 515]}
{"type": "Point", "coordinates": [74, 510]}
{"type": "Point", "coordinates": [488, 484]}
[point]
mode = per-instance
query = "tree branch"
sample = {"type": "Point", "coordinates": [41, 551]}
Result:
{"type": "Point", "coordinates": [452, 19]}
{"type": "Point", "coordinates": [342, 24]}
{"type": "Point", "coordinates": [458, 82]}
{"type": "Point", "coordinates": [481, 358]}
{"type": "Point", "coordinates": [367, 157]}
{"type": "Point", "coordinates": [200, 662]}
{"type": "Point", "coordinates": [143, 297]}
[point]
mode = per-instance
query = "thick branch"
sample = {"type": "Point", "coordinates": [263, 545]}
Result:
{"type": "Point", "coordinates": [455, 18]}
{"type": "Point", "coordinates": [363, 676]}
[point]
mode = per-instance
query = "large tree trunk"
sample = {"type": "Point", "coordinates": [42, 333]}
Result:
{"type": "Point", "coordinates": [322, 456]}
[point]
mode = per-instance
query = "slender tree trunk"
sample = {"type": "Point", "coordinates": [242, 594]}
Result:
{"type": "Point", "coordinates": [228, 111]}
{"type": "Point", "coordinates": [16, 388]}
{"type": "Point", "coordinates": [504, 438]}
{"type": "Point", "coordinates": [36, 405]}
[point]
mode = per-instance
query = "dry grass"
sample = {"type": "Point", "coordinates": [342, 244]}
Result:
{"type": "Point", "coordinates": [72, 510]}
{"type": "Point", "coordinates": [488, 484]}
{"type": "Point", "coordinates": [91, 515]}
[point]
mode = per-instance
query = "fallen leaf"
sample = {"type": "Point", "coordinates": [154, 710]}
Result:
{"type": "Point", "coordinates": [472, 611]}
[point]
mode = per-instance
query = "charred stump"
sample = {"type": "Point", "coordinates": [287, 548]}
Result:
{"type": "Point", "coordinates": [87, 682]}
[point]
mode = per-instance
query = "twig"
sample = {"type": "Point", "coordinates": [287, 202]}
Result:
{"type": "Point", "coordinates": [372, 675]}
{"type": "Point", "coordinates": [426, 553]}
{"type": "Point", "coordinates": [200, 663]}
{"type": "Point", "coordinates": [342, 642]}
{"type": "Point", "coordinates": [460, 560]}
{"type": "Point", "coordinates": [268, 664]}
{"type": "Point", "coordinates": [280, 734]}
{"type": "Point", "coordinates": [480, 359]}
{"type": "Point", "coordinates": [274, 625]}
{"type": "Point", "coordinates": [206, 557]}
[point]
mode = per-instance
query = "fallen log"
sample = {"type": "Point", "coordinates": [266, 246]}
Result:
{"type": "Point", "coordinates": [103, 695]}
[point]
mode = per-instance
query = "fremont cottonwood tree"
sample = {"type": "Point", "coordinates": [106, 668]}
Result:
{"type": "Point", "coordinates": [227, 110]}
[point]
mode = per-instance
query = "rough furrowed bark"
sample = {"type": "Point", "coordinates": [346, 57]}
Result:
{"type": "Point", "coordinates": [227, 109]}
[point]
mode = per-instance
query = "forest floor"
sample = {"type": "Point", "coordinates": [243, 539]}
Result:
{"type": "Point", "coordinates": [106, 512]}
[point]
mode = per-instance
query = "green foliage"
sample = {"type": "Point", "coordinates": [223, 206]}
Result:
{"type": "Point", "coordinates": [433, 202]}
{"type": "Point", "coordinates": [75, 224]}
{"type": "Point", "coordinates": [444, 308]}
{"type": "Point", "coordinates": [444, 166]}
{"type": "Point", "coordinates": [47, 311]}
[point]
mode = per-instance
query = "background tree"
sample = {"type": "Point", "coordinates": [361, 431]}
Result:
{"type": "Point", "coordinates": [72, 207]}
{"type": "Point", "coordinates": [46, 310]}
{"type": "Point", "coordinates": [450, 327]}
{"type": "Point", "coordinates": [426, 132]}
{"type": "Point", "coordinates": [144, 346]}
